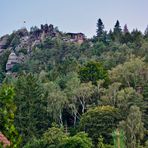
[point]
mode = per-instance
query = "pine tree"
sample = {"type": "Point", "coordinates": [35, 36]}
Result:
{"type": "Point", "coordinates": [31, 118]}
{"type": "Point", "coordinates": [146, 32]}
{"type": "Point", "coordinates": [117, 32]}
{"type": "Point", "coordinates": [125, 30]}
{"type": "Point", "coordinates": [117, 28]}
{"type": "Point", "coordinates": [100, 28]}
{"type": "Point", "coordinates": [126, 37]}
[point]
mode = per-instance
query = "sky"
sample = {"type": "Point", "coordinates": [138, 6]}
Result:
{"type": "Point", "coordinates": [72, 15]}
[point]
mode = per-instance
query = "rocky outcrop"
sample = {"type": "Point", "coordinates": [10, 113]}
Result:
{"type": "Point", "coordinates": [21, 32]}
{"type": "Point", "coordinates": [12, 60]}
{"type": "Point", "coordinates": [48, 30]}
{"type": "Point", "coordinates": [42, 33]}
{"type": "Point", "coordinates": [22, 41]}
{"type": "Point", "coordinates": [3, 43]}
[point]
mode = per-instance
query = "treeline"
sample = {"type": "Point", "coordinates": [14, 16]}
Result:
{"type": "Point", "coordinates": [67, 95]}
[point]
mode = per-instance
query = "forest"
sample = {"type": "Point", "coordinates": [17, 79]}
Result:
{"type": "Point", "coordinates": [70, 95]}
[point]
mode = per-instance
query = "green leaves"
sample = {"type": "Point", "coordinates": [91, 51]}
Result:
{"type": "Point", "coordinates": [80, 140]}
{"type": "Point", "coordinates": [93, 71]}
{"type": "Point", "coordinates": [31, 116]}
{"type": "Point", "coordinates": [56, 101]}
{"type": "Point", "coordinates": [132, 73]}
{"type": "Point", "coordinates": [7, 113]}
{"type": "Point", "coordinates": [133, 127]}
{"type": "Point", "coordinates": [100, 28]}
{"type": "Point", "coordinates": [100, 121]}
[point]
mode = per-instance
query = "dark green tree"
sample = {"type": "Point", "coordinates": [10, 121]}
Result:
{"type": "Point", "coordinates": [93, 71]}
{"type": "Point", "coordinates": [2, 75]}
{"type": "Point", "coordinates": [117, 32]}
{"type": "Point", "coordinates": [126, 37]}
{"type": "Point", "coordinates": [137, 37]}
{"type": "Point", "coordinates": [125, 30]}
{"type": "Point", "coordinates": [117, 28]}
{"type": "Point", "coordinates": [36, 143]}
{"type": "Point", "coordinates": [3, 59]}
{"type": "Point", "coordinates": [146, 32]}
{"type": "Point", "coordinates": [100, 28]}
{"type": "Point", "coordinates": [100, 121]}
{"type": "Point", "coordinates": [31, 118]}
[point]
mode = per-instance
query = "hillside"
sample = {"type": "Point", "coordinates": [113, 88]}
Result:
{"type": "Point", "coordinates": [64, 90]}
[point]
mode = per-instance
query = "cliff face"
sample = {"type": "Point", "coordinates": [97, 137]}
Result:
{"type": "Point", "coordinates": [12, 60]}
{"type": "Point", "coordinates": [3, 43]}
{"type": "Point", "coordinates": [24, 40]}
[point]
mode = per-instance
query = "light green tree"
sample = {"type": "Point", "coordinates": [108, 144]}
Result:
{"type": "Point", "coordinates": [80, 140]}
{"type": "Point", "coordinates": [132, 73]}
{"type": "Point", "coordinates": [133, 127]}
{"type": "Point", "coordinates": [122, 99]}
{"type": "Point", "coordinates": [83, 94]}
{"type": "Point", "coordinates": [100, 142]}
{"type": "Point", "coordinates": [54, 136]}
{"type": "Point", "coordinates": [56, 101]}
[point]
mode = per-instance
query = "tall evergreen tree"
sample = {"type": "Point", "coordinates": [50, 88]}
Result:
{"type": "Point", "coordinates": [137, 37]}
{"type": "Point", "coordinates": [125, 30]}
{"type": "Point", "coordinates": [31, 117]}
{"type": "Point", "coordinates": [126, 37]}
{"type": "Point", "coordinates": [146, 32]}
{"type": "Point", "coordinates": [100, 28]}
{"type": "Point", "coordinates": [117, 28]}
{"type": "Point", "coordinates": [117, 32]}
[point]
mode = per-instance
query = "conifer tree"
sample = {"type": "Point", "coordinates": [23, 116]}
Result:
{"type": "Point", "coordinates": [117, 32]}
{"type": "Point", "coordinates": [31, 118]}
{"type": "Point", "coordinates": [117, 28]}
{"type": "Point", "coordinates": [146, 32]}
{"type": "Point", "coordinates": [125, 30]}
{"type": "Point", "coordinates": [100, 28]}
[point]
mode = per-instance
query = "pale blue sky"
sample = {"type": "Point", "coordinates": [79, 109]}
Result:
{"type": "Point", "coordinates": [72, 15]}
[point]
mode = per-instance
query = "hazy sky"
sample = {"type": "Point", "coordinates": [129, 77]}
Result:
{"type": "Point", "coordinates": [72, 15]}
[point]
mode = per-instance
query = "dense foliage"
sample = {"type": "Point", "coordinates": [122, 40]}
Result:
{"type": "Point", "coordinates": [70, 95]}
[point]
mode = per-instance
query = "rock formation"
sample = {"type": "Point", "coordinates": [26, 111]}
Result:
{"type": "Point", "coordinates": [23, 40]}
{"type": "Point", "coordinates": [3, 43]}
{"type": "Point", "coordinates": [12, 60]}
